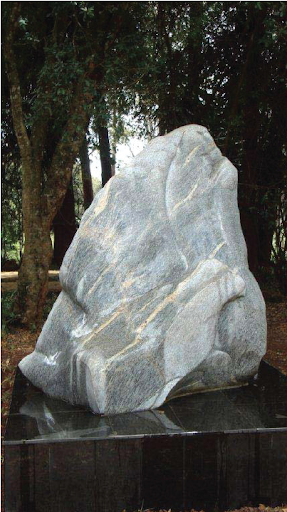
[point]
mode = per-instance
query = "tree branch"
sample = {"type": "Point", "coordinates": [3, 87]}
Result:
{"type": "Point", "coordinates": [66, 152]}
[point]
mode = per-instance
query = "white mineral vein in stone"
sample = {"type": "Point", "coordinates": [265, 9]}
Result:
{"type": "Point", "coordinates": [157, 296]}
{"type": "Point", "coordinates": [192, 153]}
{"type": "Point", "coordinates": [187, 198]}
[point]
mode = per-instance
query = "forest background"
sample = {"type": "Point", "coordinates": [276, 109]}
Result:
{"type": "Point", "coordinates": [85, 76]}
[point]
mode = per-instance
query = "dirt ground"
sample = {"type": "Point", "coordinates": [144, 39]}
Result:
{"type": "Point", "coordinates": [277, 335]}
{"type": "Point", "coordinates": [261, 508]}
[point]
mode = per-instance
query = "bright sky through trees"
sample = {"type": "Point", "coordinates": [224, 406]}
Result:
{"type": "Point", "coordinates": [124, 154]}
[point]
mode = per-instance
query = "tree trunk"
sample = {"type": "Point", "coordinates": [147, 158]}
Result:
{"type": "Point", "coordinates": [33, 277]}
{"type": "Point", "coordinates": [114, 144]}
{"type": "Point", "coordinates": [245, 96]}
{"type": "Point", "coordinates": [113, 166]}
{"type": "Point", "coordinates": [33, 273]}
{"type": "Point", "coordinates": [41, 198]}
{"type": "Point", "coordinates": [105, 154]}
{"type": "Point", "coordinates": [64, 225]}
{"type": "Point", "coordinates": [249, 223]}
{"type": "Point", "coordinates": [86, 175]}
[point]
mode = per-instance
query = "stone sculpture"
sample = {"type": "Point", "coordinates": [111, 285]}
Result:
{"type": "Point", "coordinates": [157, 296]}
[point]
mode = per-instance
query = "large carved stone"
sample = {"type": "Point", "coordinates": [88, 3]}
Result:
{"type": "Point", "coordinates": [157, 296]}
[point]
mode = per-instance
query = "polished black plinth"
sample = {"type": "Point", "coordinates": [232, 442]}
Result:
{"type": "Point", "coordinates": [212, 451]}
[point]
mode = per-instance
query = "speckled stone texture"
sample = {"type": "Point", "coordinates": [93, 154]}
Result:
{"type": "Point", "coordinates": [157, 296]}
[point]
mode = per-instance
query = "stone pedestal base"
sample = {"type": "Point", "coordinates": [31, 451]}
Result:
{"type": "Point", "coordinates": [223, 450]}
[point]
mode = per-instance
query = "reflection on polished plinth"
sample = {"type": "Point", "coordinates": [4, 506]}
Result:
{"type": "Point", "coordinates": [221, 449]}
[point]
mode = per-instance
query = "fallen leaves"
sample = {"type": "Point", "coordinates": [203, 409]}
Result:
{"type": "Point", "coordinates": [260, 508]}
{"type": "Point", "coordinates": [15, 346]}
{"type": "Point", "coordinates": [277, 335]}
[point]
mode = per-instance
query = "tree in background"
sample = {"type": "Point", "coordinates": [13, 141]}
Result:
{"type": "Point", "coordinates": [219, 64]}
{"type": "Point", "coordinates": [101, 128]}
{"type": "Point", "coordinates": [72, 47]}
{"type": "Point", "coordinates": [86, 174]}
{"type": "Point", "coordinates": [252, 127]}
{"type": "Point", "coordinates": [223, 65]}
{"type": "Point", "coordinates": [64, 226]}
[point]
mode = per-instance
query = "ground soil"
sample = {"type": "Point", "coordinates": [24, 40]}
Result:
{"type": "Point", "coordinates": [277, 335]}
{"type": "Point", "coordinates": [261, 508]}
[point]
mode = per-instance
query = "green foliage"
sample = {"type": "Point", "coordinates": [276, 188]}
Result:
{"type": "Point", "coordinates": [65, 46]}
{"type": "Point", "coordinates": [51, 298]}
{"type": "Point", "coordinates": [12, 230]}
{"type": "Point", "coordinates": [67, 54]}
{"type": "Point", "coordinates": [223, 65]}
{"type": "Point", "coordinates": [7, 306]}
{"type": "Point", "coordinates": [12, 217]}
{"type": "Point", "coordinates": [279, 244]}
{"type": "Point", "coordinates": [166, 64]}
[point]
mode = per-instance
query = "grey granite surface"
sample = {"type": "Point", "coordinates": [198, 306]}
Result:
{"type": "Point", "coordinates": [157, 296]}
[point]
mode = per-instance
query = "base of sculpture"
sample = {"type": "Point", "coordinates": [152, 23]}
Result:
{"type": "Point", "coordinates": [217, 450]}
